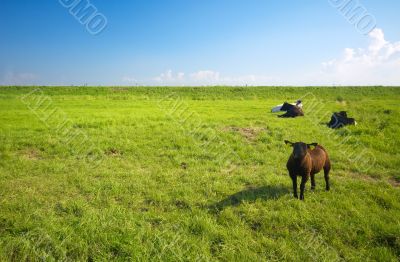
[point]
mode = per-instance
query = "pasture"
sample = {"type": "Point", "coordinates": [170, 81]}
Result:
{"type": "Point", "coordinates": [195, 174]}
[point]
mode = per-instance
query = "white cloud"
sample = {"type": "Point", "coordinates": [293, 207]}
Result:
{"type": "Point", "coordinates": [129, 80]}
{"type": "Point", "coordinates": [209, 77]}
{"type": "Point", "coordinates": [205, 76]}
{"type": "Point", "coordinates": [168, 77]}
{"type": "Point", "coordinates": [181, 76]}
{"type": "Point", "coordinates": [378, 64]}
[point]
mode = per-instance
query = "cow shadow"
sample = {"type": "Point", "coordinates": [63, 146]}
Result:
{"type": "Point", "coordinates": [250, 194]}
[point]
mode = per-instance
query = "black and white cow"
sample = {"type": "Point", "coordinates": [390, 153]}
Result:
{"type": "Point", "coordinates": [340, 119]}
{"type": "Point", "coordinates": [291, 111]}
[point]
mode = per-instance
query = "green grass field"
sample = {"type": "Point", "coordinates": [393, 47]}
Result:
{"type": "Point", "coordinates": [194, 174]}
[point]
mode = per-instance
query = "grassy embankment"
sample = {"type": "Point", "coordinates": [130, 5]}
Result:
{"type": "Point", "coordinates": [161, 191]}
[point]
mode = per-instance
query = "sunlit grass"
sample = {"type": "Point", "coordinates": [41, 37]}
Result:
{"type": "Point", "coordinates": [158, 194]}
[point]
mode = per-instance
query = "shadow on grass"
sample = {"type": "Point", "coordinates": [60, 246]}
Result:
{"type": "Point", "coordinates": [250, 195]}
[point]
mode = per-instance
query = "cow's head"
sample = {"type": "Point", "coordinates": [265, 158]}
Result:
{"type": "Point", "coordinates": [300, 149]}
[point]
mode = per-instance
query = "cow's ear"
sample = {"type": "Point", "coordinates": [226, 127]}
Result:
{"type": "Point", "coordinates": [312, 145]}
{"type": "Point", "coordinates": [288, 143]}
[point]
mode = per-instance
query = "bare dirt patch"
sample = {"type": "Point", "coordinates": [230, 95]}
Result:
{"type": "Point", "coordinates": [31, 154]}
{"type": "Point", "coordinates": [394, 182]}
{"type": "Point", "coordinates": [358, 176]}
{"type": "Point", "coordinates": [184, 165]}
{"type": "Point", "coordinates": [113, 152]}
{"type": "Point", "coordinates": [249, 133]}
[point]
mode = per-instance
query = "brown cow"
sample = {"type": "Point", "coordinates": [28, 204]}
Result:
{"type": "Point", "coordinates": [307, 162]}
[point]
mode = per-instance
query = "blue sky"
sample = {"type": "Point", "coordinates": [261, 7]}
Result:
{"type": "Point", "coordinates": [199, 42]}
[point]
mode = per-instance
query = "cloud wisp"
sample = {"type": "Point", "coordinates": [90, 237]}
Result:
{"type": "Point", "coordinates": [378, 64]}
{"type": "Point", "coordinates": [208, 77]}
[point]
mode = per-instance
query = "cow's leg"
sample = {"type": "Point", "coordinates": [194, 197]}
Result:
{"type": "Point", "coordinates": [326, 175]}
{"type": "Point", "coordinates": [312, 181]}
{"type": "Point", "coordinates": [304, 179]}
{"type": "Point", "coordinates": [327, 169]}
{"type": "Point", "coordinates": [294, 182]}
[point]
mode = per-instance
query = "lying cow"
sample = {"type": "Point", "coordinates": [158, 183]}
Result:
{"type": "Point", "coordinates": [291, 111]}
{"type": "Point", "coordinates": [278, 108]}
{"type": "Point", "coordinates": [339, 120]}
